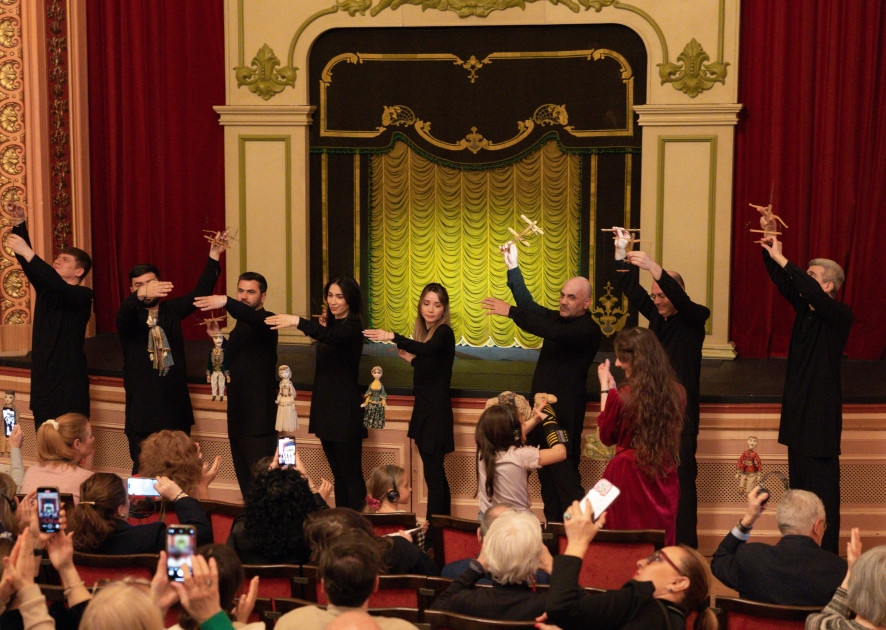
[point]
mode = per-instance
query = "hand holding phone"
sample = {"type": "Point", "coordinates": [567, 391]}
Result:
{"type": "Point", "coordinates": [9, 420]}
{"type": "Point", "coordinates": [48, 510]}
{"type": "Point", "coordinates": [600, 497]}
{"type": "Point", "coordinates": [141, 487]}
{"type": "Point", "coordinates": [180, 545]}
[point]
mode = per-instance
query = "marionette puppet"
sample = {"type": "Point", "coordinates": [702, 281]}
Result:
{"type": "Point", "coordinates": [158, 346]}
{"type": "Point", "coordinates": [374, 401]}
{"type": "Point", "coordinates": [749, 467]}
{"type": "Point", "coordinates": [217, 372]}
{"type": "Point", "coordinates": [287, 418]}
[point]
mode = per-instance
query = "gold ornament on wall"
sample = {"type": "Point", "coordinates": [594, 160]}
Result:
{"type": "Point", "coordinates": [694, 74]}
{"type": "Point", "coordinates": [614, 312]}
{"type": "Point", "coordinates": [265, 77]}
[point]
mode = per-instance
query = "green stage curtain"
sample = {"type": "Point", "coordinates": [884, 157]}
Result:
{"type": "Point", "coordinates": [434, 223]}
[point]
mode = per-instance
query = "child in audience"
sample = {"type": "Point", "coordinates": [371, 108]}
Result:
{"type": "Point", "coordinates": [389, 492]}
{"type": "Point", "coordinates": [503, 460]}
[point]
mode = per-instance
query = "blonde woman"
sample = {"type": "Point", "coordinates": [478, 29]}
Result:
{"type": "Point", "coordinates": [62, 444]}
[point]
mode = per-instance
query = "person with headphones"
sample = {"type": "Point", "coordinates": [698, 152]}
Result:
{"type": "Point", "coordinates": [388, 491]}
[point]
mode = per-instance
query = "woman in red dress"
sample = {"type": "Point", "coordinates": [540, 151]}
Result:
{"type": "Point", "coordinates": [643, 418]}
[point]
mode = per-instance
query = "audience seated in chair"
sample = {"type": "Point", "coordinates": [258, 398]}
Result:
{"type": "Point", "coordinates": [401, 556]}
{"type": "Point", "coordinates": [62, 444]}
{"type": "Point", "coordinates": [270, 529]}
{"type": "Point", "coordinates": [175, 455]}
{"type": "Point", "coordinates": [230, 581]}
{"type": "Point", "coordinates": [796, 571]}
{"type": "Point", "coordinates": [512, 552]}
{"type": "Point", "coordinates": [456, 568]}
{"type": "Point", "coordinates": [349, 566]}
{"type": "Point", "coordinates": [389, 491]}
{"type": "Point", "coordinates": [98, 521]}
{"type": "Point", "coordinates": [863, 592]}
{"type": "Point", "coordinates": [667, 587]}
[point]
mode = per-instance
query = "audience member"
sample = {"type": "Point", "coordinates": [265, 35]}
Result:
{"type": "Point", "coordinates": [8, 508]}
{"type": "Point", "coordinates": [389, 491]}
{"type": "Point", "coordinates": [99, 521]}
{"type": "Point", "coordinates": [862, 592]}
{"type": "Point", "coordinates": [512, 553]}
{"type": "Point", "coordinates": [122, 605]}
{"type": "Point", "coordinates": [61, 445]}
{"type": "Point", "coordinates": [16, 461]}
{"type": "Point", "coordinates": [796, 571]}
{"type": "Point", "coordinates": [270, 529]}
{"type": "Point", "coordinates": [175, 455]}
{"type": "Point", "coordinates": [503, 459]}
{"type": "Point", "coordinates": [401, 556]}
{"type": "Point", "coordinates": [349, 568]}
{"type": "Point", "coordinates": [230, 579]}
{"type": "Point", "coordinates": [643, 419]}
{"type": "Point", "coordinates": [22, 604]}
{"type": "Point", "coordinates": [668, 585]}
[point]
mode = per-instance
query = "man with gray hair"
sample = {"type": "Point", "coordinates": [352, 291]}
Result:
{"type": "Point", "coordinates": [812, 402]}
{"type": "Point", "coordinates": [796, 571]}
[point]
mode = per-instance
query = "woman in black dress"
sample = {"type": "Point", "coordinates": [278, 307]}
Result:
{"type": "Point", "coordinates": [431, 352]}
{"type": "Point", "coordinates": [336, 418]}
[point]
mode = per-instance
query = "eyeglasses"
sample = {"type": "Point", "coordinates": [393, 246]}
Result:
{"type": "Point", "coordinates": [660, 555]}
{"type": "Point", "coordinates": [658, 296]}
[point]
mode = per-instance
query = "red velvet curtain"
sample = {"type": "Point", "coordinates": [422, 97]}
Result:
{"type": "Point", "coordinates": [156, 69]}
{"type": "Point", "coordinates": [813, 86]}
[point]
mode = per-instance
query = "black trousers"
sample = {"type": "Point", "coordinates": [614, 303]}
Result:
{"type": "Point", "coordinates": [245, 451]}
{"type": "Point", "coordinates": [687, 508]}
{"type": "Point", "coordinates": [439, 499]}
{"type": "Point", "coordinates": [820, 475]}
{"type": "Point", "coordinates": [346, 461]}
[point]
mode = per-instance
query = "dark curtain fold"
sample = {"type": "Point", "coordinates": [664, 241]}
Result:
{"type": "Point", "coordinates": [156, 69]}
{"type": "Point", "coordinates": [813, 86]}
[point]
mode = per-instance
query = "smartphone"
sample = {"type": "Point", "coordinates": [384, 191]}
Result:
{"type": "Point", "coordinates": [286, 451]}
{"type": "Point", "coordinates": [600, 497]}
{"type": "Point", "coordinates": [141, 487]}
{"type": "Point", "coordinates": [48, 510]}
{"type": "Point", "coordinates": [180, 545]}
{"type": "Point", "coordinates": [8, 420]}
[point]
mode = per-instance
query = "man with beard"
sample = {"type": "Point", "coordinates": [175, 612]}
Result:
{"type": "Point", "coordinates": [252, 360]}
{"type": "Point", "coordinates": [154, 370]}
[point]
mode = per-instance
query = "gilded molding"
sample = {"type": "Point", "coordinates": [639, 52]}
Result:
{"type": "Point", "coordinates": [59, 122]}
{"type": "Point", "coordinates": [692, 75]}
{"type": "Point", "coordinates": [613, 314]}
{"type": "Point", "coordinates": [15, 301]}
{"type": "Point", "coordinates": [544, 114]}
{"type": "Point", "coordinates": [695, 73]}
{"type": "Point", "coordinates": [265, 77]}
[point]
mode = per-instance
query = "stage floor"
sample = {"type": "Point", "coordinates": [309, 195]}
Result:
{"type": "Point", "coordinates": [483, 372]}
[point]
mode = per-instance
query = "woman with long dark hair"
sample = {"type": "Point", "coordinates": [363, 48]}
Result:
{"type": "Point", "coordinates": [643, 418]}
{"type": "Point", "coordinates": [430, 352]}
{"type": "Point", "coordinates": [336, 417]}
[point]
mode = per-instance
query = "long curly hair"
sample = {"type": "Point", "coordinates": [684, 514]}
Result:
{"type": "Point", "coordinates": [93, 520]}
{"type": "Point", "coordinates": [654, 401]}
{"type": "Point", "coordinates": [498, 429]}
{"type": "Point", "coordinates": [172, 454]}
{"type": "Point", "coordinates": [276, 507]}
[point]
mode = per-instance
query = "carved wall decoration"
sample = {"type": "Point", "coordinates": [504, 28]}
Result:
{"type": "Point", "coordinates": [695, 73]}
{"type": "Point", "coordinates": [59, 122]}
{"type": "Point", "coordinates": [265, 76]}
{"type": "Point", "coordinates": [15, 303]}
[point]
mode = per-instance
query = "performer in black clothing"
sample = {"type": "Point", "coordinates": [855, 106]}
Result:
{"type": "Point", "coordinates": [812, 403]}
{"type": "Point", "coordinates": [571, 339]}
{"type": "Point", "coordinates": [431, 352]}
{"type": "Point", "coordinates": [336, 417]}
{"type": "Point", "coordinates": [62, 307]}
{"type": "Point", "coordinates": [150, 332]}
{"type": "Point", "coordinates": [679, 324]}
{"type": "Point", "coordinates": [252, 361]}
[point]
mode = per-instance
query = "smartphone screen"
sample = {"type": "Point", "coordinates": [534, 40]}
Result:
{"type": "Point", "coordinates": [141, 487]}
{"type": "Point", "coordinates": [286, 451]}
{"type": "Point", "coordinates": [600, 497]}
{"type": "Point", "coordinates": [180, 545]}
{"type": "Point", "coordinates": [48, 510]}
{"type": "Point", "coordinates": [8, 420]}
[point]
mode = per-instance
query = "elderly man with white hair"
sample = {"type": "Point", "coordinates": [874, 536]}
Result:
{"type": "Point", "coordinates": [796, 571]}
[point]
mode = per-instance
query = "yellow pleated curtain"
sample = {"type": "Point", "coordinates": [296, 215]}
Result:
{"type": "Point", "coordinates": [430, 222]}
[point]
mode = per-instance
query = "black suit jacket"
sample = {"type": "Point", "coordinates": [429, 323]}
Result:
{"type": "Point", "coordinates": [151, 538]}
{"type": "Point", "coordinates": [794, 572]}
